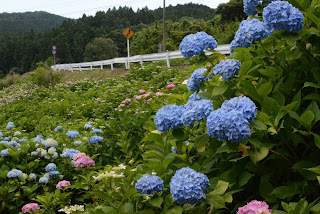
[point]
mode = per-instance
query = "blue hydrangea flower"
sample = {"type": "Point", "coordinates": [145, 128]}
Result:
{"type": "Point", "coordinates": [44, 180]}
{"type": "Point", "coordinates": [194, 44]}
{"type": "Point", "coordinates": [5, 152]}
{"type": "Point", "coordinates": [10, 125]}
{"type": "Point", "coordinates": [69, 154]}
{"type": "Point", "coordinates": [23, 140]}
{"type": "Point", "coordinates": [32, 176]}
{"type": "Point", "coordinates": [51, 167]}
{"type": "Point", "coordinates": [196, 79]}
{"type": "Point", "coordinates": [88, 126]}
{"type": "Point", "coordinates": [187, 186]}
{"type": "Point", "coordinates": [55, 155]}
{"type": "Point", "coordinates": [149, 184]}
{"type": "Point", "coordinates": [250, 31]}
{"type": "Point", "coordinates": [72, 134]}
{"type": "Point", "coordinates": [77, 143]}
{"type": "Point", "coordinates": [96, 131]}
{"type": "Point", "coordinates": [228, 125]}
{"type": "Point", "coordinates": [194, 97]}
{"type": "Point", "coordinates": [196, 111]}
{"type": "Point", "coordinates": [6, 139]}
{"type": "Point", "coordinates": [227, 68]}
{"type": "Point", "coordinates": [50, 143]}
{"type": "Point", "coordinates": [15, 173]}
{"type": "Point", "coordinates": [38, 139]}
{"type": "Point", "coordinates": [95, 139]}
{"type": "Point", "coordinates": [14, 144]}
{"type": "Point", "coordinates": [169, 117]}
{"type": "Point", "coordinates": [54, 173]}
{"type": "Point", "coordinates": [4, 142]}
{"type": "Point", "coordinates": [59, 128]}
{"type": "Point", "coordinates": [1, 134]}
{"type": "Point", "coordinates": [249, 6]}
{"type": "Point", "coordinates": [243, 104]}
{"type": "Point", "coordinates": [281, 15]}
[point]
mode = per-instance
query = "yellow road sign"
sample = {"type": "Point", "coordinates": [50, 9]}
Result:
{"type": "Point", "coordinates": [128, 33]}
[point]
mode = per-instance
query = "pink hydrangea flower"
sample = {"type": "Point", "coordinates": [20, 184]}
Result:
{"type": "Point", "coordinates": [127, 101]}
{"type": "Point", "coordinates": [255, 207]}
{"type": "Point", "coordinates": [63, 183]}
{"type": "Point", "coordinates": [148, 100]}
{"type": "Point", "coordinates": [137, 96]}
{"type": "Point", "coordinates": [141, 91]}
{"type": "Point", "coordinates": [30, 207]}
{"type": "Point", "coordinates": [121, 105]}
{"type": "Point", "coordinates": [84, 161]}
{"type": "Point", "coordinates": [159, 94]}
{"type": "Point", "coordinates": [115, 109]}
{"type": "Point", "coordinates": [170, 86]}
{"type": "Point", "coordinates": [147, 94]}
{"type": "Point", "coordinates": [78, 155]}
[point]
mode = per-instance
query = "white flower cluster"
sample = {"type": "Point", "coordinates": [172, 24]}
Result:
{"type": "Point", "coordinates": [111, 174]}
{"type": "Point", "coordinates": [72, 208]}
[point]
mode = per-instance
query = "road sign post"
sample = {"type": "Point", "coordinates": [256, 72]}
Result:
{"type": "Point", "coordinates": [54, 52]}
{"type": "Point", "coordinates": [128, 34]}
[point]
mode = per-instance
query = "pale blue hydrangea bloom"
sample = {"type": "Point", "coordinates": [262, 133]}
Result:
{"type": "Point", "coordinates": [4, 142]}
{"type": "Point", "coordinates": [149, 184]}
{"type": "Point", "coordinates": [23, 140]}
{"type": "Point", "coordinates": [169, 117]}
{"type": "Point", "coordinates": [228, 125]}
{"type": "Point", "coordinates": [196, 111]}
{"type": "Point", "coordinates": [59, 128]}
{"type": "Point", "coordinates": [243, 104]}
{"type": "Point", "coordinates": [54, 173]}
{"type": "Point", "coordinates": [5, 153]}
{"type": "Point", "coordinates": [1, 134]}
{"type": "Point", "coordinates": [194, 44]}
{"type": "Point", "coordinates": [44, 180]}
{"type": "Point", "coordinates": [51, 167]}
{"type": "Point", "coordinates": [55, 155]}
{"type": "Point", "coordinates": [196, 79]}
{"type": "Point", "coordinates": [96, 131]}
{"type": "Point", "coordinates": [249, 6]}
{"type": "Point", "coordinates": [77, 143]}
{"type": "Point", "coordinates": [88, 126]}
{"type": "Point", "coordinates": [6, 139]}
{"type": "Point", "coordinates": [69, 154]}
{"type": "Point", "coordinates": [10, 125]}
{"type": "Point", "coordinates": [281, 15]}
{"type": "Point", "coordinates": [72, 134]}
{"type": "Point", "coordinates": [250, 31]}
{"type": "Point", "coordinates": [38, 139]}
{"type": "Point", "coordinates": [95, 139]}
{"type": "Point", "coordinates": [14, 144]}
{"type": "Point", "coordinates": [50, 143]}
{"type": "Point", "coordinates": [195, 97]}
{"type": "Point", "coordinates": [15, 173]}
{"type": "Point", "coordinates": [33, 176]}
{"type": "Point", "coordinates": [187, 186]}
{"type": "Point", "coordinates": [227, 68]}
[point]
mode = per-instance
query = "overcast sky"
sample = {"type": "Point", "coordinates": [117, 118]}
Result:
{"type": "Point", "coordinates": [76, 8]}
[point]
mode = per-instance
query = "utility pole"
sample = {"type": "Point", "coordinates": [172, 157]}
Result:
{"type": "Point", "coordinates": [164, 26]}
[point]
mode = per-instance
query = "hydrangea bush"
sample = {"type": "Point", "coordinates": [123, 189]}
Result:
{"type": "Point", "coordinates": [251, 136]}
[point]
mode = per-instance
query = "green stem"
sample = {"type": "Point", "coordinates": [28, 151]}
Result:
{"type": "Point", "coordinates": [211, 209]}
{"type": "Point", "coordinates": [283, 157]}
{"type": "Point", "coordinates": [274, 59]}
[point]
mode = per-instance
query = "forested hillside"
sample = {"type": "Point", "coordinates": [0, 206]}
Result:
{"type": "Point", "coordinates": [24, 22]}
{"type": "Point", "coordinates": [21, 52]}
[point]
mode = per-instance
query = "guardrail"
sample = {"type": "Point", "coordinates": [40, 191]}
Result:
{"type": "Point", "coordinates": [225, 49]}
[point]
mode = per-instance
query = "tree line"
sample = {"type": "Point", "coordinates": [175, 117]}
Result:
{"type": "Point", "coordinates": [76, 39]}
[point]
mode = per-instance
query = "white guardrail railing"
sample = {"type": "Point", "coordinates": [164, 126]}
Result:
{"type": "Point", "coordinates": [224, 49]}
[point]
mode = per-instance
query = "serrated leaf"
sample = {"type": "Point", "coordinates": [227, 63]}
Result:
{"type": "Point", "coordinates": [219, 90]}
{"type": "Point", "coordinates": [265, 89]}
{"type": "Point", "coordinates": [311, 84]}
{"type": "Point", "coordinates": [258, 124]}
{"type": "Point", "coordinates": [156, 202]}
{"type": "Point", "coordinates": [221, 187]}
{"type": "Point", "coordinates": [244, 178]}
{"type": "Point", "coordinates": [317, 140]}
{"type": "Point", "coordinates": [216, 201]}
{"type": "Point", "coordinates": [306, 118]}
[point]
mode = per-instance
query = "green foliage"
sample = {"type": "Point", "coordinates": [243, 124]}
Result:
{"type": "Point", "coordinates": [44, 76]}
{"type": "Point", "coordinates": [99, 49]}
